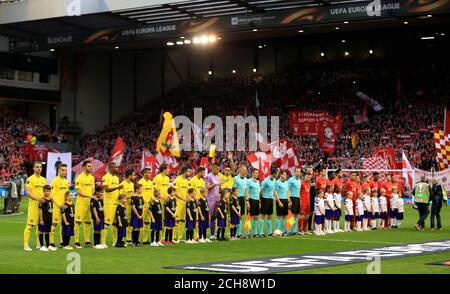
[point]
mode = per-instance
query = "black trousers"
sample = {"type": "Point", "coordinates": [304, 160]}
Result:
{"type": "Point", "coordinates": [436, 213]}
{"type": "Point", "coordinates": [423, 213]}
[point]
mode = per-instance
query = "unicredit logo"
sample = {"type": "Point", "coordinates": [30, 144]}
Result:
{"type": "Point", "coordinates": [59, 40]}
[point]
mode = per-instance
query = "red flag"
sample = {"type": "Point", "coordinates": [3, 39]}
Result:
{"type": "Point", "coordinates": [148, 161]}
{"type": "Point", "coordinates": [204, 162]}
{"type": "Point", "coordinates": [264, 170]}
{"type": "Point", "coordinates": [446, 121]}
{"type": "Point", "coordinates": [327, 138]}
{"type": "Point", "coordinates": [116, 157]}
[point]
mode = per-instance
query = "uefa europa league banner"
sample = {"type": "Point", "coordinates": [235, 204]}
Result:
{"type": "Point", "coordinates": [443, 177]}
{"type": "Point", "coordinates": [54, 160]}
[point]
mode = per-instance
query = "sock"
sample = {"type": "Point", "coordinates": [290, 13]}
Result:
{"type": "Point", "coordinates": [283, 225]}
{"type": "Point", "coordinates": [254, 228]}
{"type": "Point", "coordinates": [66, 240]}
{"type": "Point", "coordinates": [47, 239]}
{"type": "Point", "coordinates": [129, 230]}
{"type": "Point", "coordinates": [232, 232]}
{"type": "Point", "coordinates": [269, 225]}
{"type": "Point", "coordinates": [96, 238]}
{"type": "Point", "coordinates": [166, 235]}
{"type": "Point", "coordinates": [41, 240]}
{"type": "Point", "coordinates": [295, 225]}
{"type": "Point", "coordinates": [238, 229]}
{"type": "Point", "coordinates": [261, 226]}
{"type": "Point", "coordinates": [114, 235]}
{"type": "Point", "coordinates": [26, 236]}
{"type": "Point", "coordinates": [87, 233]}
{"type": "Point", "coordinates": [145, 232]}
{"type": "Point", "coordinates": [305, 225]}
{"type": "Point", "coordinates": [152, 236]}
{"type": "Point", "coordinates": [222, 235]}
{"type": "Point", "coordinates": [104, 234]}
{"type": "Point", "coordinates": [277, 223]}
{"type": "Point", "coordinates": [52, 235]}
{"type": "Point", "coordinates": [157, 236]}
{"type": "Point", "coordinates": [180, 230]}
{"type": "Point", "coordinates": [300, 224]}
{"type": "Point", "coordinates": [76, 235]}
{"type": "Point", "coordinates": [171, 235]}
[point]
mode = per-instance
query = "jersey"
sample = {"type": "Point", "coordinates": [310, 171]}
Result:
{"type": "Point", "coordinates": [375, 204]}
{"type": "Point", "coordinates": [47, 212]}
{"type": "Point", "coordinates": [305, 191]}
{"type": "Point", "coordinates": [366, 203]}
{"type": "Point", "coordinates": [348, 206]}
{"type": "Point", "coordinates": [318, 206]}
{"type": "Point", "coordinates": [192, 207]}
{"type": "Point", "coordinates": [400, 204]}
{"type": "Point", "coordinates": [329, 201]}
{"type": "Point", "coordinates": [359, 207]}
{"type": "Point", "coordinates": [365, 185]}
{"type": "Point", "coordinates": [226, 181]}
{"type": "Point", "coordinates": [282, 188]}
{"type": "Point", "coordinates": [388, 187]}
{"type": "Point", "coordinates": [268, 187]}
{"type": "Point", "coordinates": [36, 186]}
{"type": "Point", "coordinates": [394, 201]}
{"type": "Point", "coordinates": [181, 185]}
{"type": "Point", "coordinates": [337, 197]}
{"type": "Point", "coordinates": [59, 188]}
{"type": "Point", "coordinates": [121, 213]}
{"type": "Point", "coordinates": [223, 208]}
{"type": "Point", "coordinates": [156, 210]}
{"type": "Point", "coordinates": [162, 183]}
{"type": "Point", "coordinates": [69, 213]}
{"type": "Point", "coordinates": [351, 186]}
{"type": "Point", "coordinates": [241, 184]}
{"type": "Point", "coordinates": [375, 185]}
{"type": "Point", "coordinates": [253, 188]}
{"type": "Point", "coordinates": [203, 206]}
{"type": "Point", "coordinates": [234, 203]}
{"type": "Point", "coordinates": [127, 189]}
{"type": "Point", "coordinates": [382, 203]}
{"type": "Point", "coordinates": [112, 182]}
{"type": "Point", "coordinates": [86, 184]}
{"type": "Point", "coordinates": [196, 183]}
{"type": "Point", "coordinates": [138, 202]}
{"type": "Point", "coordinates": [172, 205]}
{"type": "Point", "coordinates": [294, 186]}
{"type": "Point", "coordinates": [337, 182]}
{"type": "Point", "coordinates": [321, 183]}
{"type": "Point", "coordinates": [147, 190]}
{"type": "Point", "coordinates": [98, 205]}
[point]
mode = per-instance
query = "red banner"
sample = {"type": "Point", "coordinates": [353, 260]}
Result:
{"type": "Point", "coordinates": [37, 152]}
{"type": "Point", "coordinates": [116, 157]}
{"type": "Point", "coordinates": [307, 123]}
{"type": "Point", "coordinates": [388, 153]}
{"type": "Point", "coordinates": [327, 137]}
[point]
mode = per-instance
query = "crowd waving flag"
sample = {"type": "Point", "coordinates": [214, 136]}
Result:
{"type": "Point", "coordinates": [406, 172]}
{"type": "Point", "coordinates": [167, 142]}
{"type": "Point", "coordinates": [115, 157]}
{"type": "Point", "coordinates": [442, 144]}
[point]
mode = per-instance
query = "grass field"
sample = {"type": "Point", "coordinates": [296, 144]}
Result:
{"type": "Point", "coordinates": [152, 260]}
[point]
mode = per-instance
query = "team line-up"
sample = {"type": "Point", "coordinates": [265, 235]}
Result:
{"type": "Point", "coordinates": [188, 207]}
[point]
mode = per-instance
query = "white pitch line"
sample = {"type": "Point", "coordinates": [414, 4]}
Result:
{"type": "Point", "coordinates": [14, 222]}
{"type": "Point", "coordinates": [347, 241]}
{"type": "Point", "coordinates": [12, 214]}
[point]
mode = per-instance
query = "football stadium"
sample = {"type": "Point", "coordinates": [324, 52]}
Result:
{"type": "Point", "coordinates": [224, 137]}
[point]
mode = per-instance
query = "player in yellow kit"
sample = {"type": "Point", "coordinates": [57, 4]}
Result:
{"type": "Point", "coordinates": [35, 192]}
{"type": "Point", "coordinates": [111, 185]}
{"type": "Point", "coordinates": [227, 178]}
{"type": "Point", "coordinates": [162, 181]}
{"type": "Point", "coordinates": [128, 190]}
{"type": "Point", "coordinates": [60, 186]}
{"type": "Point", "coordinates": [147, 193]}
{"type": "Point", "coordinates": [85, 187]}
{"type": "Point", "coordinates": [181, 185]}
{"type": "Point", "coordinates": [197, 182]}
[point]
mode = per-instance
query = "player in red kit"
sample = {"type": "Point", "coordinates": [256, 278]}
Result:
{"type": "Point", "coordinates": [366, 183]}
{"type": "Point", "coordinates": [352, 186]}
{"type": "Point", "coordinates": [305, 204]}
{"type": "Point", "coordinates": [388, 185]}
{"type": "Point", "coordinates": [337, 181]}
{"type": "Point", "coordinates": [375, 183]}
{"type": "Point", "coordinates": [321, 180]}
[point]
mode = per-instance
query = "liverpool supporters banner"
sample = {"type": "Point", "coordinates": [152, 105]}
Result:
{"type": "Point", "coordinates": [54, 160]}
{"type": "Point", "coordinates": [387, 153]}
{"type": "Point", "coordinates": [308, 123]}
{"type": "Point", "coordinates": [327, 138]}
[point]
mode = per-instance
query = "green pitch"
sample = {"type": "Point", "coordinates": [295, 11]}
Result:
{"type": "Point", "coordinates": [14, 259]}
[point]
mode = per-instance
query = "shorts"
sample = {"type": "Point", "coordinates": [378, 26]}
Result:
{"type": "Point", "coordinates": [203, 224]}
{"type": "Point", "coordinates": [146, 213]}
{"type": "Point", "coordinates": [266, 206]}
{"type": "Point", "coordinates": [100, 226]}
{"type": "Point", "coordinates": [337, 213]}
{"type": "Point", "coordinates": [283, 211]}
{"type": "Point", "coordinates": [329, 214]}
{"type": "Point", "coordinates": [190, 225]}
{"type": "Point", "coordinates": [254, 207]}
{"type": "Point", "coordinates": [318, 219]}
{"type": "Point", "coordinates": [181, 211]}
{"type": "Point", "coordinates": [33, 213]}
{"type": "Point", "coordinates": [56, 215]}
{"type": "Point", "coordinates": [295, 208]}
{"type": "Point", "coordinates": [400, 215]}
{"type": "Point", "coordinates": [121, 232]}
{"type": "Point", "coordinates": [136, 223]}
{"type": "Point", "coordinates": [157, 226]}
{"type": "Point", "coordinates": [67, 230]}
{"type": "Point", "coordinates": [393, 213]}
{"type": "Point", "coordinates": [83, 212]}
{"type": "Point", "coordinates": [235, 220]}
{"type": "Point", "coordinates": [348, 218]}
{"type": "Point", "coordinates": [45, 228]}
{"type": "Point", "coordinates": [305, 206]}
{"type": "Point", "coordinates": [375, 215]}
{"type": "Point", "coordinates": [241, 201]}
{"type": "Point", "coordinates": [110, 212]}
{"type": "Point", "coordinates": [366, 214]}
{"type": "Point", "coordinates": [369, 215]}
{"type": "Point", "coordinates": [382, 215]}
{"type": "Point", "coordinates": [169, 222]}
{"type": "Point", "coordinates": [221, 223]}
{"type": "Point", "coordinates": [358, 218]}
